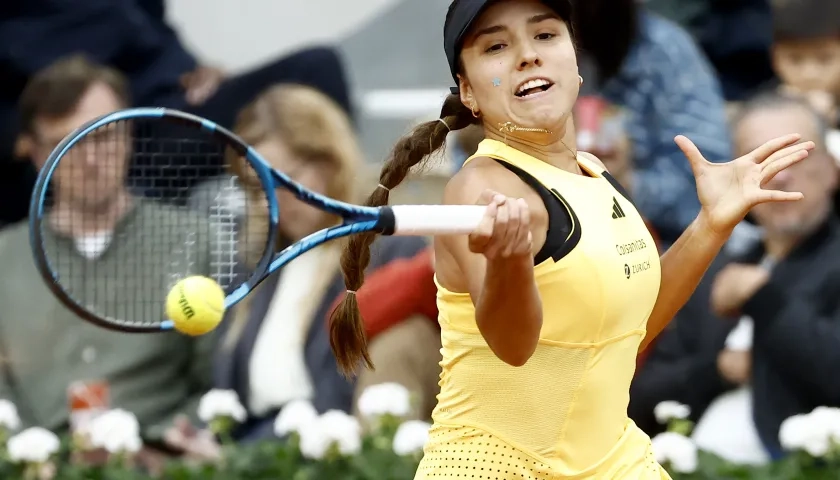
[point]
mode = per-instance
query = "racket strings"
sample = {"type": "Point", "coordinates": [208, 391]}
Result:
{"type": "Point", "coordinates": [136, 206]}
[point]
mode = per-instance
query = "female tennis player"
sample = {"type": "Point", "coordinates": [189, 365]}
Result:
{"type": "Point", "coordinates": [544, 308]}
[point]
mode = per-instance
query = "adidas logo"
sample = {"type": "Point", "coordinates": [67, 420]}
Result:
{"type": "Point", "coordinates": [618, 212]}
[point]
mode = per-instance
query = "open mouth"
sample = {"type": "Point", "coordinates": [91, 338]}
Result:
{"type": "Point", "coordinates": [532, 87]}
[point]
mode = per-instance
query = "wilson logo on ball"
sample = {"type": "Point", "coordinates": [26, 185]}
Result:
{"type": "Point", "coordinates": [185, 306]}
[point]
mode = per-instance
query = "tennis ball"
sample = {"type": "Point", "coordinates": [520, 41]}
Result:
{"type": "Point", "coordinates": [195, 305]}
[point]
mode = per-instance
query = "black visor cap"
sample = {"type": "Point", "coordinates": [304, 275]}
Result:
{"type": "Point", "coordinates": [462, 14]}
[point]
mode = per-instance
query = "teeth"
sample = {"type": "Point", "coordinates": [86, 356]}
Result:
{"type": "Point", "coordinates": [532, 84]}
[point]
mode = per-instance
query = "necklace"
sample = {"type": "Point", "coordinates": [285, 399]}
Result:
{"type": "Point", "coordinates": [510, 127]}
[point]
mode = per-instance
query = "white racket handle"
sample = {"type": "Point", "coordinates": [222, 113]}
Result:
{"type": "Point", "coordinates": [422, 220]}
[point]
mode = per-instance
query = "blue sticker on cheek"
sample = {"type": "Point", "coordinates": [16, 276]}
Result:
{"type": "Point", "coordinates": [497, 81]}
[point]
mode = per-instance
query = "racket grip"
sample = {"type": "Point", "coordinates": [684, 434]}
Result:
{"type": "Point", "coordinates": [422, 220]}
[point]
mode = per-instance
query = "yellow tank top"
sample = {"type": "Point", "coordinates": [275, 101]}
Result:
{"type": "Point", "coordinates": [566, 408]}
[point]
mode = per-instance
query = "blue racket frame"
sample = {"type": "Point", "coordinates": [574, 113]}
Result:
{"type": "Point", "coordinates": [356, 219]}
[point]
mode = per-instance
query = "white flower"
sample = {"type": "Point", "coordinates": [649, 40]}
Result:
{"type": "Point", "coordinates": [813, 432]}
{"type": "Point", "coordinates": [794, 432]}
{"type": "Point", "coordinates": [411, 436]}
{"type": "Point", "coordinates": [385, 399]}
{"type": "Point", "coordinates": [668, 410]}
{"type": "Point", "coordinates": [314, 441]}
{"type": "Point", "coordinates": [221, 403]}
{"type": "Point", "coordinates": [294, 417]}
{"type": "Point", "coordinates": [116, 431]}
{"type": "Point", "coordinates": [817, 446]}
{"type": "Point", "coordinates": [332, 428]}
{"type": "Point", "coordinates": [828, 420]}
{"type": "Point", "coordinates": [33, 445]}
{"type": "Point", "coordinates": [676, 450]}
{"type": "Point", "coordinates": [9, 418]}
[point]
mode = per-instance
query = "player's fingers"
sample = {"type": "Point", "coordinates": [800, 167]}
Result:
{"type": "Point", "coordinates": [770, 170]}
{"type": "Point", "coordinates": [690, 150]}
{"type": "Point", "coordinates": [772, 146]}
{"type": "Point", "coordinates": [488, 196]}
{"type": "Point", "coordinates": [512, 233]}
{"type": "Point", "coordinates": [524, 237]}
{"type": "Point", "coordinates": [481, 236]}
{"type": "Point", "coordinates": [807, 146]}
{"type": "Point", "coordinates": [779, 196]}
{"type": "Point", "coordinates": [496, 243]}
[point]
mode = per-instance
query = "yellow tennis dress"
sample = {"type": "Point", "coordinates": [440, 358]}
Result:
{"type": "Point", "coordinates": [563, 415]}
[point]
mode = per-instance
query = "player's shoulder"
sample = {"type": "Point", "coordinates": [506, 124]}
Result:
{"type": "Point", "coordinates": [595, 161]}
{"type": "Point", "coordinates": [482, 173]}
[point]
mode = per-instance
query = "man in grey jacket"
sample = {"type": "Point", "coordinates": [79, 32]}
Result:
{"type": "Point", "coordinates": [47, 349]}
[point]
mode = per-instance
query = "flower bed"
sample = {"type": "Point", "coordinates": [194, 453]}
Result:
{"type": "Point", "coordinates": [333, 446]}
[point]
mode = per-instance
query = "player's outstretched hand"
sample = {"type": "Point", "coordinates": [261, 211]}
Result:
{"type": "Point", "coordinates": [728, 191]}
{"type": "Point", "coordinates": [505, 230]}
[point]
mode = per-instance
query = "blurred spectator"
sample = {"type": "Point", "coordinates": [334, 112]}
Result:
{"type": "Point", "coordinates": [806, 51]}
{"type": "Point", "coordinates": [759, 340]}
{"type": "Point", "coordinates": [734, 35]}
{"type": "Point", "coordinates": [806, 56]}
{"type": "Point", "coordinates": [653, 69]}
{"type": "Point", "coordinates": [601, 131]}
{"type": "Point", "coordinates": [47, 350]}
{"type": "Point", "coordinates": [132, 37]}
{"type": "Point", "coordinates": [275, 346]}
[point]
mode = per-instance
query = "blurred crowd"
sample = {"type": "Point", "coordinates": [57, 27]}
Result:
{"type": "Point", "coordinates": [755, 344]}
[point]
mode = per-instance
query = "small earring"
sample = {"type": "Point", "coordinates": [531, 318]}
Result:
{"type": "Point", "coordinates": [473, 110]}
{"type": "Point", "coordinates": [581, 79]}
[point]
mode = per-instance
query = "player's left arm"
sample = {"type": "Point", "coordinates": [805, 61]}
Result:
{"type": "Point", "coordinates": [683, 266]}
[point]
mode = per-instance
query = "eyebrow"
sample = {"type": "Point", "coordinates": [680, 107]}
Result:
{"type": "Point", "coordinates": [542, 17]}
{"type": "Point", "coordinates": [499, 28]}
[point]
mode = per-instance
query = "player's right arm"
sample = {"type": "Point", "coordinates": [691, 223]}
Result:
{"type": "Point", "coordinates": [495, 265]}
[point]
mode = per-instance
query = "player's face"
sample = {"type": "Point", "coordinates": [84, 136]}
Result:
{"type": "Point", "coordinates": [96, 172]}
{"type": "Point", "coordinates": [520, 66]}
{"type": "Point", "coordinates": [815, 177]}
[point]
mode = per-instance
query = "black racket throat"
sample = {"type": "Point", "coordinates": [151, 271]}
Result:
{"type": "Point", "coordinates": [386, 224]}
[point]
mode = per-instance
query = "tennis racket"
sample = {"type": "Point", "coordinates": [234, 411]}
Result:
{"type": "Point", "coordinates": [134, 201]}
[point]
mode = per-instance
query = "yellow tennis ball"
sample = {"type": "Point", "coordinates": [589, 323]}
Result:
{"type": "Point", "coordinates": [195, 305]}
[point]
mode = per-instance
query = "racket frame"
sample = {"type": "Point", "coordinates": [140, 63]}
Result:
{"type": "Point", "coordinates": [386, 220]}
{"type": "Point", "coordinates": [366, 219]}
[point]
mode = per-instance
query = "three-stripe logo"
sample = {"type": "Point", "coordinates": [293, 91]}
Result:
{"type": "Point", "coordinates": [618, 212]}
